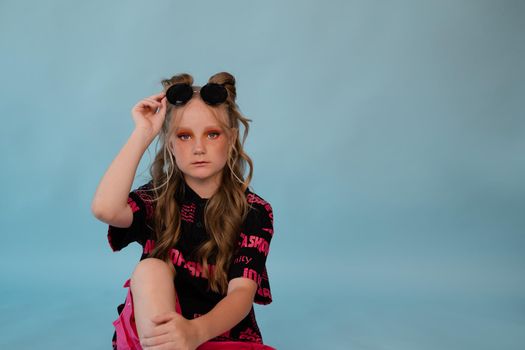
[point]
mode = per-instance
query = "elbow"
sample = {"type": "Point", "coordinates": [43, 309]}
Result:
{"type": "Point", "coordinates": [99, 212]}
{"type": "Point", "coordinates": [111, 216]}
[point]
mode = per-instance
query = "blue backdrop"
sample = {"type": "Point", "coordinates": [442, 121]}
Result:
{"type": "Point", "coordinates": [387, 135]}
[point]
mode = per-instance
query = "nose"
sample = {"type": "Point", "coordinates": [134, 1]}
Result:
{"type": "Point", "coordinates": [198, 146]}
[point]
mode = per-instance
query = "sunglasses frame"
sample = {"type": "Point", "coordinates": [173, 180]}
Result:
{"type": "Point", "coordinates": [212, 94]}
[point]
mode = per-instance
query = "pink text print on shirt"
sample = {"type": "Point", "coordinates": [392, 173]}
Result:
{"type": "Point", "coordinates": [194, 268]}
{"type": "Point", "coordinates": [256, 242]}
{"type": "Point", "coordinates": [252, 198]}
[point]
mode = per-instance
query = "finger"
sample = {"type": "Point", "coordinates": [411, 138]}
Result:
{"type": "Point", "coordinates": [157, 96]}
{"type": "Point", "coordinates": [156, 103]}
{"type": "Point", "coordinates": [162, 93]}
{"type": "Point", "coordinates": [153, 341]}
{"type": "Point", "coordinates": [156, 331]}
{"type": "Point", "coordinates": [147, 104]}
{"type": "Point", "coordinates": [166, 346]}
{"type": "Point", "coordinates": [151, 99]}
{"type": "Point", "coordinates": [162, 107]}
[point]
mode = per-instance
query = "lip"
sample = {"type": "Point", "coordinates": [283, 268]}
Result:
{"type": "Point", "coordinates": [199, 163]}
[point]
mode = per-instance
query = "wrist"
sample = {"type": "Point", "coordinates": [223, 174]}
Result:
{"type": "Point", "coordinates": [200, 333]}
{"type": "Point", "coordinates": [143, 135]}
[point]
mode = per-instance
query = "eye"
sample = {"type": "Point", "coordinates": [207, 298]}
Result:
{"type": "Point", "coordinates": [213, 134]}
{"type": "Point", "coordinates": [183, 136]}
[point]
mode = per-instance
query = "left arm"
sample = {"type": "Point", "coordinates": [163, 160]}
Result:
{"type": "Point", "coordinates": [175, 332]}
{"type": "Point", "coordinates": [229, 311]}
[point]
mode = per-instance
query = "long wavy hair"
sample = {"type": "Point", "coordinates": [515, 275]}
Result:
{"type": "Point", "coordinates": [225, 210]}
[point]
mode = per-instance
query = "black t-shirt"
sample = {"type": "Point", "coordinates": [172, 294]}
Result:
{"type": "Point", "coordinates": [191, 286]}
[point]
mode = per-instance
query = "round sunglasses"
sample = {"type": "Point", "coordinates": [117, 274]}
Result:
{"type": "Point", "coordinates": [211, 93]}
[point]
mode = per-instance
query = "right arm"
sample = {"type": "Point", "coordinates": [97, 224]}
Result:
{"type": "Point", "coordinates": [110, 201]}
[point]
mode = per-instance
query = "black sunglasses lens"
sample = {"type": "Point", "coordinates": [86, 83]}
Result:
{"type": "Point", "coordinates": [179, 94]}
{"type": "Point", "coordinates": [213, 93]}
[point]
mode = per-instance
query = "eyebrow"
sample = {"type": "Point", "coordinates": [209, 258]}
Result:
{"type": "Point", "coordinates": [206, 127]}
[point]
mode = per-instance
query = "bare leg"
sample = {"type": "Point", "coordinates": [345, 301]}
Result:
{"type": "Point", "coordinates": [153, 291]}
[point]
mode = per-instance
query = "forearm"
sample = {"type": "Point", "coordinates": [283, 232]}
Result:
{"type": "Point", "coordinates": [224, 316]}
{"type": "Point", "coordinates": [112, 191]}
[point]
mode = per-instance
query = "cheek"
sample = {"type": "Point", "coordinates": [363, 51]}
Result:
{"type": "Point", "coordinates": [178, 149]}
{"type": "Point", "coordinates": [223, 149]}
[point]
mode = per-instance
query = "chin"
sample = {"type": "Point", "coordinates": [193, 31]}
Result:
{"type": "Point", "coordinates": [201, 175]}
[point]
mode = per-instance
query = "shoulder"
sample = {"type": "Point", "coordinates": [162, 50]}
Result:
{"type": "Point", "coordinates": [143, 197]}
{"type": "Point", "coordinates": [259, 207]}
{"type": "Point", "coordinates": [145, 191]}
{"type": "Point", "coordinates": [256, 201]}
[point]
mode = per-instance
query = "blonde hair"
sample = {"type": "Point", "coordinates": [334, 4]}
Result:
{"type": "Point", "coordinates": [225, 210]}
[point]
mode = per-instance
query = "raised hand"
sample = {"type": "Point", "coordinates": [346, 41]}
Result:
{"type": "Point", "coordinates": [149, 114]}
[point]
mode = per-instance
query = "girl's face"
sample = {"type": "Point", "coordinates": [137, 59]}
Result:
{"type": "Point", "coordinates": [199, 143]}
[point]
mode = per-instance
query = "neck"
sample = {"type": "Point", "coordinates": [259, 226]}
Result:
{"type": "Point", "coordinates": [205, 189]}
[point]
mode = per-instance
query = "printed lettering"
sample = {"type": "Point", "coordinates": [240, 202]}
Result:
{"type": "Point", "coordinates": [148, 247]}
{"type": "Point", "coordinates": [243, 259]}
{"type": "Point", "coordinates": [144, 194]}
{"type": "Point", "coordinates": [269, 230]}
{"type": "Point", "coordinates": [249, 334]}
{"type": "Point", "coordinates": [256, 242]}
{"type": "Point", "coordinates": [134, 207]}
{"type": "Point", "coordinates": [180, 261]}
{"type": "Point", "coordinates": [252, 198]}
{"type": "Point", "coordinates": [252, 274]}
{"type": "Point", "coordinates": [187, 212]}
{"type": "Point", "coordinates": [194, 268]}
{"type": "Point", "coordinates": [264, 292]}
{"type": "Point", "coordinates": [244, 240]}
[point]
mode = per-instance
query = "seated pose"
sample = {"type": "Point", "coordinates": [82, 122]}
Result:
{"type": "Point", "coordinates": [205, 235]}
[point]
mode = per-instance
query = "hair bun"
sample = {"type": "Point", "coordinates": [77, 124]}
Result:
{"type": "Point", "coordinates": [226, 79]}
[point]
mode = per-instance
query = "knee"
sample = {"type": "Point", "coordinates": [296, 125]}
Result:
{"type": "Point", "coordinates": [151, 267]}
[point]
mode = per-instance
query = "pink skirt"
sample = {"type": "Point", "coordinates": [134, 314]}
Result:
{"type": "Point", "coordinates": [127, 335]}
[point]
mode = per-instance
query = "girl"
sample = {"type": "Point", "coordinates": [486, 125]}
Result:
{"type": "Point", "coordinates": [205, 235]}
